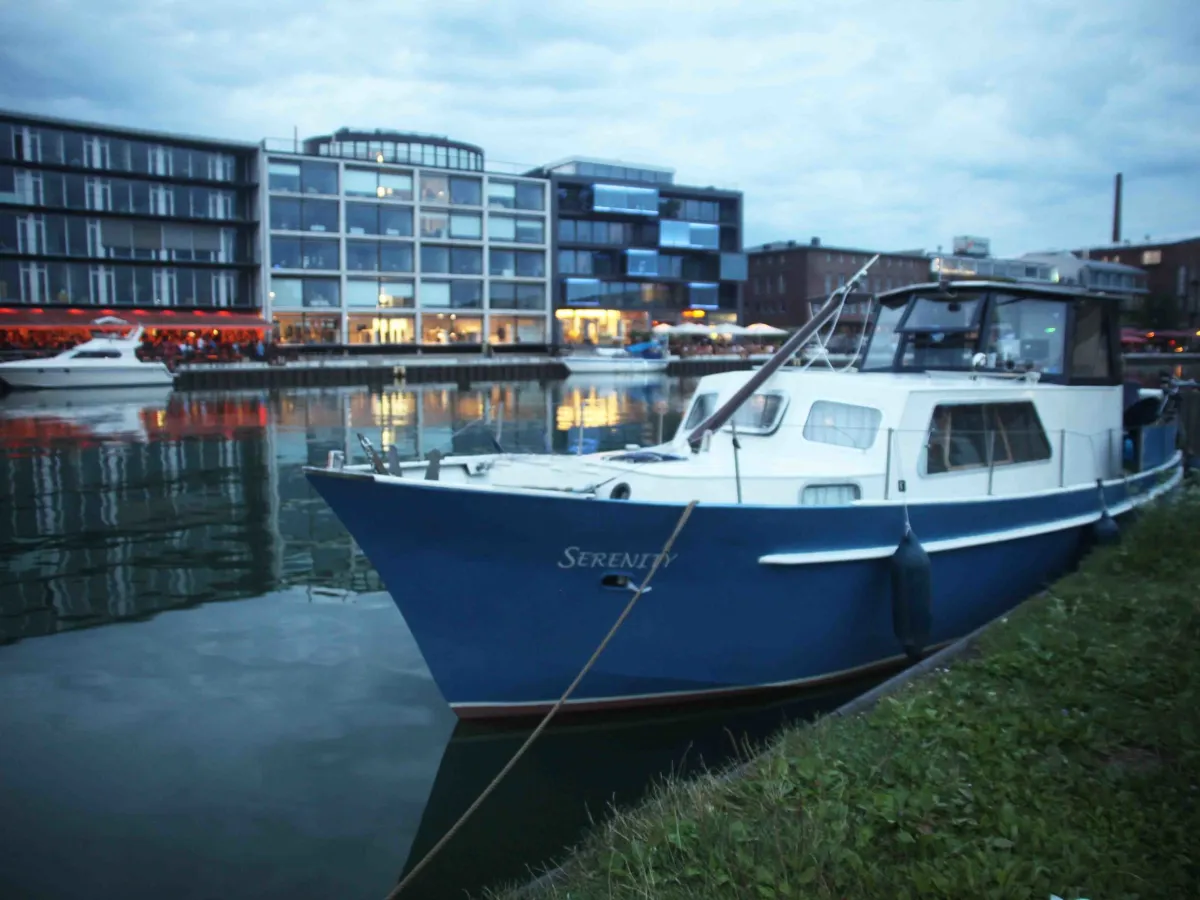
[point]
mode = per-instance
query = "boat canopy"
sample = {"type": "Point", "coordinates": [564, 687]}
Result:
{"type": "Point", "coordinates": [1066, 336]}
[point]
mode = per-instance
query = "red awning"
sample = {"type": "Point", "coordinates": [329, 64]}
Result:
{"type": "Point", "coordinates": [85, 317]}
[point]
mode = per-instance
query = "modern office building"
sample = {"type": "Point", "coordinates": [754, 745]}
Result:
{"type": "Point", "coordinates": [789, 278]}
{"type": "Point", "coordinates": [95, 218]}
{"type": "Point", "coordinates": [382, 237]}
{"type": "Point", "coordinates": [632, 248]}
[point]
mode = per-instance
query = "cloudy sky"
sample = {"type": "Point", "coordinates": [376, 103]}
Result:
{"type": "Point", "coordinates": [878, 124]}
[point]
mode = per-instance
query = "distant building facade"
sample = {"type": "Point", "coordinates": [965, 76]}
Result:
{"type": "Point", "coordinates": [95, 218]}
{"type": "Point", "coordinates": [788, 279]}
{"type": "Point", "coordinates": [380, 237]}
{"type": "Point", "coordinates": [1172, 268]}
{"type": "Point", "coordinates": [356, 237]}
{"type": "Point", "coordinates": [632, 248]}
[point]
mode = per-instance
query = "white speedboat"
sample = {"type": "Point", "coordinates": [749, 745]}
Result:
{"type": "Point", "coordinates": [608, 360]}
{"type": "Point", "coordinates": [107, 360]}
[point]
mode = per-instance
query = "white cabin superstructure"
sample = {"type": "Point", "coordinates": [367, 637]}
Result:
{"type": "Point", "coordinates": [973, 390]}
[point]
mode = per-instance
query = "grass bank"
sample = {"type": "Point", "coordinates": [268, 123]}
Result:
{"type": "Point", "coordinates": [1060, 757]}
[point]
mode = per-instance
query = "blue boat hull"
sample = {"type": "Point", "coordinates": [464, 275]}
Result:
{"type": "Point", "coordinates": [504, 595]}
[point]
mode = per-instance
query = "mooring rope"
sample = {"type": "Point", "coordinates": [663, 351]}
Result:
{"type": "Point", "coordinates": [662, 555]}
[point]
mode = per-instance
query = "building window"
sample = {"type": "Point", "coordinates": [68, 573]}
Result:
{"type": "Point", "coordinates": [641, 262]}
{"type": "Point", "coordinates": [531, 196]}
{"type": "Point", "coordinates": [318, 178]}
{"type": "Point", "coordinates": [517, 330]}
{"type": "Point", "coordinates": [689, 234]}
{"type": "Point", "coordinates": [523, 263]}
{"type": "Point", "coordinates": [502, 194]}
{"type": "Point", "coordinates": [531, 231]}
{"type": "Point", "coordinates": [702, 296]}
{"type": "Point", "coordinates": [374, 218]}
{"type": "Point", "coordinates": [306, 328]}
{"type": "Point", "coordinates": [435, 188]}
{"type": "Point", "coordinates": [449, 328]}
{"type": "Point", "coordinates": [516, 295]}
{"type": "Point", "coordinates": [583, 291]}
{"type": "Point", "coordinates": [382, 185]}
{"type": "Point", "coordinates": [466, 192]}
{"type": "Point", "coordinates": [969, 436]}
{"type": "Point", "coordinates": [452, 294]}
{"type": "Point", "coordinates": [434, 224]}
{"type": "Point", "coordinates": [619, 198]}
{"type": "Point", "coordinates": [382, 293]}
{"type": "Point", "coordinates": [314, 215]}
{"type": "Point", "coordinates": [466, 261]}
{"type": "Point", "coordinates": [381, 329]}
{"type": "Point", "coordinates": [467, 226]}
{"type": "Point", "coordinates": [361, 256]}
{"type": "Point", "coordinates": [304, 253]}
{"type": "Point", "coordinates": [516, 195]}
{"type": "Point", "coordinates": [518, 230]}
{"type": "Point", "coordinates": [1151, 257]}
{"type": "Point", "coordinates": [734, 267]}
{"type": "Point", "coordinates": [283, 176]}
{"type": "Point", "coordinates": [451, 260]}
{"type": "Point", "coordinates": [304, 292]}
{"type": "Point", "coordinates": [693, 210]}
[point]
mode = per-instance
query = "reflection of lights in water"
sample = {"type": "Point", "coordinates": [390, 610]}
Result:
{"type": "Point", "coordinates": [392, 408]}
{"type": "Point", "coordinates": [590, 411]}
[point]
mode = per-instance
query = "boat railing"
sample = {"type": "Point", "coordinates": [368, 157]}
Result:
{"type": "Point", "coordinates": [1074, 457]}
{"type": "Point", "coordinates": [918, 462]}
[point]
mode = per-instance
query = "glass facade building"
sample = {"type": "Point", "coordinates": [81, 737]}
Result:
{"type": "Point", "coordinates": [379, 237]}
{"type": "Point", "coordinates": [632, 248]}
{"type": "Point", "coordinates": [100, 217]}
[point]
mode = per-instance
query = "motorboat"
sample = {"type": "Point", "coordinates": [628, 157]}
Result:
{"type": "Point", "coordinates": [613, 360]}
{"type": "Point", "coordinates": [108, 360]}
{"type": "Point", "coordinates": [846, 521]}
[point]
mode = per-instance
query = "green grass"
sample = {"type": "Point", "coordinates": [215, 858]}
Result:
{"type": "Point", "coordinates": [1061, 757]}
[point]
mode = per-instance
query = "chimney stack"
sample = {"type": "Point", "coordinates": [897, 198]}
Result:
{"type": "Point", "coordinates": [1116, 235]}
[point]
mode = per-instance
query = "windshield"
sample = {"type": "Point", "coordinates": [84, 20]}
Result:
{"type": "Point", "coordinates": [881, 351]}
{"type": "Point", "coordinates": [954, 313]}
{"type": "Point", "coordinates": [1027, 334]}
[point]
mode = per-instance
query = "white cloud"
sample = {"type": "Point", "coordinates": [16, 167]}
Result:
{"type": "Point", "coordinates": [878, 125]}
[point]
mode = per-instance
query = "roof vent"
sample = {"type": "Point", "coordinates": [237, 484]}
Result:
{"type": "Point", "coordinates": [816, 242]}
{"type": "Point", "coordinates": [791, 243]}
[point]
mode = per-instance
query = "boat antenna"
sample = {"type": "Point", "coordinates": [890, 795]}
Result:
{"type": "Point", "coordinates": [791, 346]}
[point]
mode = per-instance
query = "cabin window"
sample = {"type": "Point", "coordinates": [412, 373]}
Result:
{"type": "Point", "coordinates": [968, 436]}
{"type": "Point", "coordinates": [702, 407]}
{"type": "Point", "coordinates": [1027, 334]}
{"type": "Point", "coordinates": [1090, 348]}
{"type": "Point", "coordinates": [842, 424]}
{"type": "Point", "coordinates": [830, 494]}
{"type": "Point", "coordinates": [96, 354]}
{"type": "Point", "coordinates": [951, 314]}
{"type": "Point", "coordinates": [881, 352]}
{"type": "Point", "coordinates": [761, 413]}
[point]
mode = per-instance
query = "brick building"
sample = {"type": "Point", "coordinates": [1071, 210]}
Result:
{"type": "Point", "coordinates": [786, 276]}
{"type": "Point", "coordinates": [1172, 268]}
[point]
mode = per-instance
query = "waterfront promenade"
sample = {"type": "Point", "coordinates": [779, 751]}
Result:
{"type": "Point", "coordinates": [409, 369]}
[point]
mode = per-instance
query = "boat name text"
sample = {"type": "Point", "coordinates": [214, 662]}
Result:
{"type": "Point", "coordinates": [578, 558]}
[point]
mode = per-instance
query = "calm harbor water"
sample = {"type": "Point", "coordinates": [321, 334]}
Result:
{"type": "Point", "coordinates": [205, 691]}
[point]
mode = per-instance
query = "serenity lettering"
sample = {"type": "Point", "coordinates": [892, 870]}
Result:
{"type": "Point", "coordinates": [576, 558]}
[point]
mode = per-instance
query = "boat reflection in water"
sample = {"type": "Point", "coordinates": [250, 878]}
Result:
{"type": "Point", "coordinates": [121, 503]}
{"type": "Point", "coordinates": [570, 777]}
